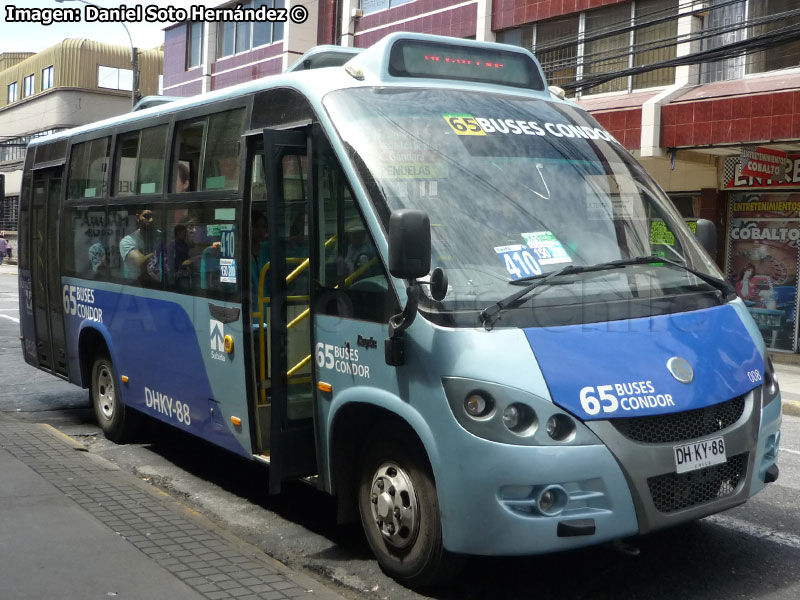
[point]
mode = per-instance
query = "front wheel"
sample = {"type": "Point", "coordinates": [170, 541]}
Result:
{"type": "Point", "coordinates": [400, 511]}
{"type": "Point", "coordinates": [118, 422]}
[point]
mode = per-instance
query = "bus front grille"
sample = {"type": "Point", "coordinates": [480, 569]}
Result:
{"type": "Point", "coordinates": [676, 427]}
{"type": "Point", "coordinates": [673, 491]}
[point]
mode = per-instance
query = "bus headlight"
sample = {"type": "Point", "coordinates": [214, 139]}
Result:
{"type": "Point", "coordinates": [478, 405]}
{"type": "Point", "coordinates": [512, 416]}
{"type": "Point", "coordinates": [770, 389]}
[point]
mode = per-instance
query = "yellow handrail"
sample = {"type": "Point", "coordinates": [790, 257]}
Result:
{"type": "Point", "coordinates": [261, 314]}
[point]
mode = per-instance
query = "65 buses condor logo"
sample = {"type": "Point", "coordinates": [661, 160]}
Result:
{"type": "Point", "coordinates": [467, 124]}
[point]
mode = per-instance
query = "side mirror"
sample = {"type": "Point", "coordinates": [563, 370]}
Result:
{"type": "Point", "coordinates": [409, 244]}
{"type": "Point", "coordinates": [706, 234]}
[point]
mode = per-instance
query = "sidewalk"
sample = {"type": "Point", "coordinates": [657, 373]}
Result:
{"type": "Point", "coordinates": [73, 525]}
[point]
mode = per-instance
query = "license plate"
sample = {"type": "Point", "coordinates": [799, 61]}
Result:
{"type": "Point", "coordinates": [699, 455]}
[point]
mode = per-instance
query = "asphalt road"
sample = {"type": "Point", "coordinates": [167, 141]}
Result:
{"type": "Point", "coordinates": [749, 552]}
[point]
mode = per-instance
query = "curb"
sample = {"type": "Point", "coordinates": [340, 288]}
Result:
{"type": "Point", "coordinates": [791, 407]}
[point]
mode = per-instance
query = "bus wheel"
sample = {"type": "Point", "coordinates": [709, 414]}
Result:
{"type": "Point", "coordinates": [400, 511]}
{"type": "Point", "coordinates": [118, 422]}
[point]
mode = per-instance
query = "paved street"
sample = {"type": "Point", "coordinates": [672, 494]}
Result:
{"type": "Point", "coordinates": [175, 488]}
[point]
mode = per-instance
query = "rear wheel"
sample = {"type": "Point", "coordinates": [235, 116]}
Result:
{"type": "Point", "coordinates": [118, 422]}
{"type": "Point", "coordinates": [400, 511]}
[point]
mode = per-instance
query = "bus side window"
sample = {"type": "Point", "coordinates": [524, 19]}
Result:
{"type": "Point", "coordinates": [89, 169]}
{"type": "Point", "coordinates": [137, 252]}
{"type": "Point", "coordinates": [190, 145]}
{"type": "Point", "coordinates": [88, 255]}
{"type": "Point", "coordinates": [201, 254]}
{"type": "Point", "coordinates": [352, 278]}
{"type": "Point", "coordinates": [140, 161]}
{"type": "Point", "coordinates": [221, 161]}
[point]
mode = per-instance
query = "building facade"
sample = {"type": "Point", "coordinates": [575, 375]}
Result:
{"type": "Point", "coordinates": [74, 82]}
{"type": "Point", "coordinates": [705, 93]}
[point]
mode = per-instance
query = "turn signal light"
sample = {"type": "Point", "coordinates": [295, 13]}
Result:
{"type": "Point", "coordinates": [236, 421]}
{"type": "Point", "coordinates": [228, 344]}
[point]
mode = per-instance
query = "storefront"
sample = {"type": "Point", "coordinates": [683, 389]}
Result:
{"type": "Point", "coordinates": [763, 246]}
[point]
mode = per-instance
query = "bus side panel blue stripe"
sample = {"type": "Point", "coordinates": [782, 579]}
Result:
{"type": "Point", "coordinates": [155, 344]}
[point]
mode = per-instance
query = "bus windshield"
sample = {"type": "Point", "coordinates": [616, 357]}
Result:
{"type": "Point", "coordinates": [516, 188]}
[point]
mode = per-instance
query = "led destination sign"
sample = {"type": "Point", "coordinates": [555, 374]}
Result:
{"type": "Point", "coordinates": [416, 58]}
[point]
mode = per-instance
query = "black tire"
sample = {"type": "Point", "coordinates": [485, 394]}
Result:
{"type": "Point", "coordinates": [118, 422]}
{"type": "Point", "coordinates": [401, 519]}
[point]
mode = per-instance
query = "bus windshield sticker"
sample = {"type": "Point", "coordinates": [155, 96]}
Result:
{"type": "Point", "coordinates": [148, 188]}
{"type": "Point", "coordinates": [464, 124]}
{"type": "Point", "coordinates": [90, 192]}
{"type": "Point", "coordinates": [227, 270]}
{"type": "Point", "coordinates": [212, 230]}
{"type": "Point", "coordinates": [227, 241]}
{"type": "Point", "coordinates": [215, 183]}
{"type": "Point", "coordinates": [519, 261]}
{"type": "Point", "coordinates": [468, 124]}
{"type": "Point", "coordinates": [546, 248]}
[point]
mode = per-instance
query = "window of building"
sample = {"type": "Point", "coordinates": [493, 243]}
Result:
{"type": "Point", "coordinates": [235, 37]}
{"type": "Point", "coordinates": [194, 45]}
{"type": "Point", "coordinates": [88, 169]}
{"type": "Point", "coordinates": [12, 93]}
{"type": "Point", "coordinates": [47, 78]}
{"type": "Point", "coordinates": [649, 42]}
{"type": "Point", "coordinates": [28, 86]}
{"type": "Point", "coordinates": [9, 213]}
{"type": "Point", "coordinates": [112, 78]}
{"type": "Point", "coordinates": [780, 56]}
{"type": "Point", "coordinates": [371, 6]}
{"type": "Point", "coordinates": [590, 45]}
{"type": "Point", "coordinates": [561, 63]}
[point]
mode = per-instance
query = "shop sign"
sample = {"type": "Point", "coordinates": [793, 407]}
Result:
{"type": "Point", "coordinates": [763, 162]}
{"type": "Point", "coordinates": [742, 172]}
{"type": "Point", "coordinates": [763, 253]}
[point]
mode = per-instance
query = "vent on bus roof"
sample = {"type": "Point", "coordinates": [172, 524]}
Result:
{"type": "Point", "coordinates": [150, 101]}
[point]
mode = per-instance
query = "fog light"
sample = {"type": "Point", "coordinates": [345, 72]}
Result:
{"type": "Point", "coordinates": [560, 427]}
{"type": "Point", "coordinates": [547, 500]}
{"type": "Point", "coordinates": [477, 405]}
{"type": "Point", "coordinates": [552, 500]}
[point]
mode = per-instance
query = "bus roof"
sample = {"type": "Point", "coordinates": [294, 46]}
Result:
{"type": "Point", "coordinates": [399, 59]}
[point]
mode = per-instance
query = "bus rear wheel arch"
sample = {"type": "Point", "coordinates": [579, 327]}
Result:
{"type": "Point", "coordinates": [118, 422]}
{"type": "Point", "coordinates": [399, 510]}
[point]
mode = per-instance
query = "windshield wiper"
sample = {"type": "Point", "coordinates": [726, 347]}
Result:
{"type": "Point", "coordinates": [489, 314]}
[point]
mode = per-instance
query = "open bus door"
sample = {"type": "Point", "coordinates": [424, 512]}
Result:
{"type": "Point", "coordinates": [282, 335]}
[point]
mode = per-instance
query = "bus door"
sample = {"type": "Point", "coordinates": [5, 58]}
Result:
{"type": "Point", "coordinates": [47, 298]}
{"type": "Point", "coordinates": [283, 342]}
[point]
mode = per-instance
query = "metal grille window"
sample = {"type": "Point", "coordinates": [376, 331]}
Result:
{"type": "Point", "coordinates": [781, 56]}
{"type": "Point", "coordinates": [9, 213]}
{"type": "Point", "coordinates": [723, 16]}
{"type": "Point", "coordinates": [655, 43]}
{"type": "Point", "coordinates": [560, 64]}
{"type": "Point", "coordinates": [609, 53]}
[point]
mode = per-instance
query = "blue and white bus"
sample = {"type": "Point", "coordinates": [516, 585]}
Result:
{"type": "Point", "coordinates": [416, 277]}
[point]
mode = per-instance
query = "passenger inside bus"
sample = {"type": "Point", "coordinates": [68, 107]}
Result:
{"type": "Point", "coordinates": [182, 178]}
{"type": "Point", "coordinates": [98, 260]}
{"type": "Point", "coordinates": [138, 248]}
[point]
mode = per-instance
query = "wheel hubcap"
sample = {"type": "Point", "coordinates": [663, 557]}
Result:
{"type": "Point", "coordinates": [105, 392]}
{"type": "Point", "coordinates": [395, 508]}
